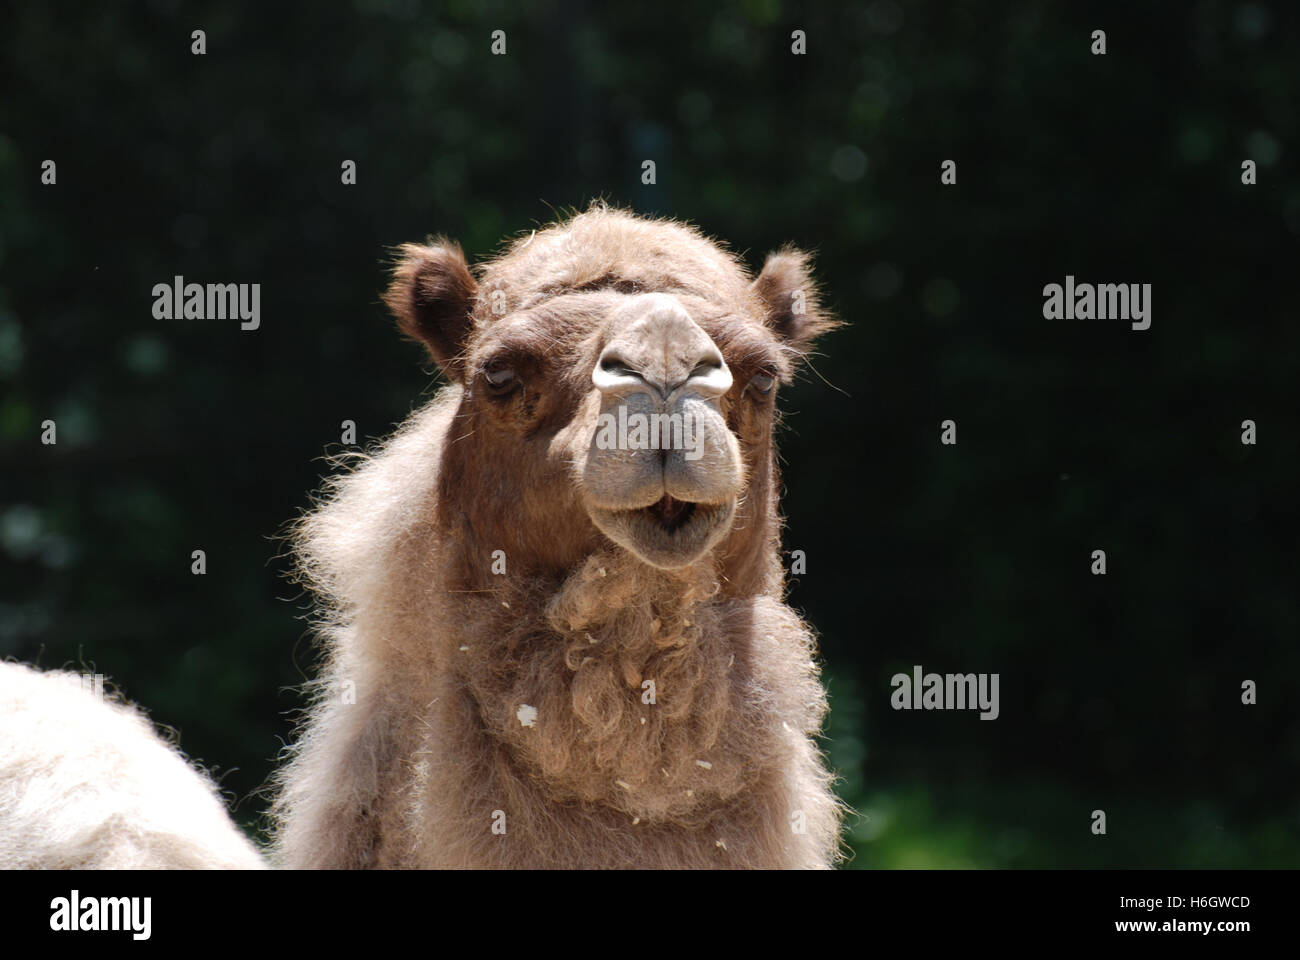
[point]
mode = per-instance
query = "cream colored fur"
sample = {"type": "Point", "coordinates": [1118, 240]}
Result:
{"type": "Point", "coordinates": [89, 784]}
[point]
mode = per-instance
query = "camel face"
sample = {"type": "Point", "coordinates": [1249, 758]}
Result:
{"type": "Point", "coordinates": [618, 381]}
{"type": "Point", "coordinates": [626, 417]}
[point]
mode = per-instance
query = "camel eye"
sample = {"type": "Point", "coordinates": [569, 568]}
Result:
{"type": "Point", "coordinates": [763, 382]}
{"type": "Point", "coordinates": [500, 380]}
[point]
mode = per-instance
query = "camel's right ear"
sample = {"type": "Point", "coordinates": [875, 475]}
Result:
{"type": "Point", "coordinates": [794, 311]}
{"type": "Point", "coordinates": [431, 295]}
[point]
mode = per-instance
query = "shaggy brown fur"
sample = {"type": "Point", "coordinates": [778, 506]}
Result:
{"type": "Point", "coordinates": [467, 717]}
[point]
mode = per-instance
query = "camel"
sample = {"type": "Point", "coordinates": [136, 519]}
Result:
{"type": "Point", "coordinates": [87, 783]}
{"type": "Point", "coordinates": [544, 651]}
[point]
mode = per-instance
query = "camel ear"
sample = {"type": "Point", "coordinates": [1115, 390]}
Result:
{"type": "Point", "coordinates": [431, 295]}
{"type": "Point", "coordinates": [794, 310]}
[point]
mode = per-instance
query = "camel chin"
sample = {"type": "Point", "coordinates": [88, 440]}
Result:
{"type": "Point", "coordinates": [668, 541]}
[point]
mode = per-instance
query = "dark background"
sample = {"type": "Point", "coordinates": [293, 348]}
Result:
{"type": "Point", "coordinates": [1119, 692]}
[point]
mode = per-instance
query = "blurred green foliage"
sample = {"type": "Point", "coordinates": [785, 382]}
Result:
{"type": "Point", "coordinates": [1118, 692]}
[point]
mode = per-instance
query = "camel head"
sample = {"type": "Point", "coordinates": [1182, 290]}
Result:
{"type": "Point", "coordinates": [618, 379]}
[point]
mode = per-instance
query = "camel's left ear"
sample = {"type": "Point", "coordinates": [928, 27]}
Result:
{"type": "Point", "coordinates": [794, 310]}
{"type": "Point", "coordinates": [431, 295]}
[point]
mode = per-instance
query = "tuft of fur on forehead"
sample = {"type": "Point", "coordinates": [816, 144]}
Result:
{"type": "Point", "coordinates": [606, 248]}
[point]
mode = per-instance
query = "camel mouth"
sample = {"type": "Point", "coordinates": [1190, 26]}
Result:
{"type": "Point", "coordinates": [668, 534]}
{"type": "Point", "coordinates": [669, 513]}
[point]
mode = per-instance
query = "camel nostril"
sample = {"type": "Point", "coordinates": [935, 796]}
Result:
{"type": "Point", "coordinates": [706, 367]}
{"type": "Point", "coordinates": [617, 366]}
{"type": "Point", "coordinates": [658, 348]}
{"type": "Point", "coordinates": [710, 376]}
{"type": "Point", "coordinates": [614, 373]}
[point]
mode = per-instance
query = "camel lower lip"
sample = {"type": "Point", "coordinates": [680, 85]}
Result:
{"type": "Point", "coordinates": [669, 533]}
